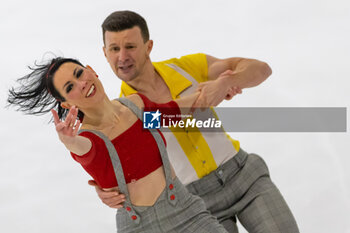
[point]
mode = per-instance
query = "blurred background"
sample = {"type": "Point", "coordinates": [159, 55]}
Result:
{"type": "Point", "coordinates": [42, 189]}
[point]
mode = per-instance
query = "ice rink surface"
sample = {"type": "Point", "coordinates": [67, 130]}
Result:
{"type": "Point", "coordinates": [305, 42]}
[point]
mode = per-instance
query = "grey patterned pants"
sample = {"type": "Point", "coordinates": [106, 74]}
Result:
{"type": "Point", "coordinates": [242, 188]}
{"type": "Point", "coordinates": [189, 215]}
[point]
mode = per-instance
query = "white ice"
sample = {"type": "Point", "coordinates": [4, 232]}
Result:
{"type": "Point", "coordinates": [305, 42]}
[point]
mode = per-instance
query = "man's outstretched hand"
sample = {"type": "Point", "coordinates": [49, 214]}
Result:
{"type": "Point", "coordinates": [112, 199]}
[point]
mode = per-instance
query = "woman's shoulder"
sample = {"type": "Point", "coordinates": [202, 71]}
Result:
{"type": "Point", "coordinates": [136, 99]}
{"type": "Point", "coordinates": [86, 130]}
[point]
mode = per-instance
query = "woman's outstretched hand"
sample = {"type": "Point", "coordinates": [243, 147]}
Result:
{"type": "Point", "coordinates": [67, 129]}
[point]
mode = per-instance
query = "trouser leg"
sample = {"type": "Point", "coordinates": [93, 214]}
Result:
{"type": "Point", "coordinates": [267, 212]}
{"type": "Point", "coordinates": [229, 224]}
{"type": "Point", "coordinates": [242, 187]}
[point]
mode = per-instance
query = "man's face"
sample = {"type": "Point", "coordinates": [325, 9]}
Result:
{"type": "Point", "coordinates": [127, 53]}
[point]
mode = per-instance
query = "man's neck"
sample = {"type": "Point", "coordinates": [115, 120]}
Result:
{"type": "Point", "coordinates": [151, 84]}
{"type": "Point", "coordinates": [146, 80]}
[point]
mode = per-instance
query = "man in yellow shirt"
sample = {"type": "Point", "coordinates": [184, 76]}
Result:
{"type": "Point", "coordinates": [232, 182]}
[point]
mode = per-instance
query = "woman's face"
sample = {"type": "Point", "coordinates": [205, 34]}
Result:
{"type": "Point", "coordinates": [78, 85]}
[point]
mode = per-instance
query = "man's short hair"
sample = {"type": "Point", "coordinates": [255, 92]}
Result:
{"type": "Point", "coordinates": [122, 20]}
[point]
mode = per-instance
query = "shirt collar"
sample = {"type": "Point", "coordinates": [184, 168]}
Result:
{"type": "Point", "coordinates": [175, 81]}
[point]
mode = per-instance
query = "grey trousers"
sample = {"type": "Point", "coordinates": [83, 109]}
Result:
{"type": "Point", "coordinates": [242, 188]}
{"type": "Point", "coordinates": [189, 215]}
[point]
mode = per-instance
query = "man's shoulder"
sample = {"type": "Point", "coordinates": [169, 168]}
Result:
{"type": "Point", "coordinates": [191, 62]}
{"type": "Point", "coordinates": [189, 58]}
{"type": "Point", "coordinates": [194, 64]}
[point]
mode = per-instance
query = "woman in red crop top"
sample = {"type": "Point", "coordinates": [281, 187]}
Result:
{"type": "Point", "coordinates": [77, 93]}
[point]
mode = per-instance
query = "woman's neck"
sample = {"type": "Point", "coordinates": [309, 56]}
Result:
{"type": "Point", "coordinates": [105, 114]}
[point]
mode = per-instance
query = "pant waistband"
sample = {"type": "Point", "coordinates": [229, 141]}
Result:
{"type": "Point", "coordinates": [220, 175]}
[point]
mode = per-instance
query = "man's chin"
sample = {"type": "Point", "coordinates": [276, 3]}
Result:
{"type": "Point", "coordinates": [126, 78]}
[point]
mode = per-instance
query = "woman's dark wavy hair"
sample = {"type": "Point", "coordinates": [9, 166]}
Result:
{"type": "Point", "coordinates": [36, 94]}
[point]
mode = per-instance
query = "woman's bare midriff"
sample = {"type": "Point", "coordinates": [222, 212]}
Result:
{"type": "Point", "coordinates": [145, 191]}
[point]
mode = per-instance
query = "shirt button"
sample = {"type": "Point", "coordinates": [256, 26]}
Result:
{"type": "Point", "coordinates": [128, 208]}
{"type": "Point", "coordinates": [134, 217]}
{"type": "Point", "coordinates": [172, 197]}
{"type": "Point", "coordinates": [171, 186]}
{"type": "Point", "coordinates": [220, 172]}
{"type": "Point", "coordinates": [196, 147]}
{"type": "Point", "coordinates": [204, 161]}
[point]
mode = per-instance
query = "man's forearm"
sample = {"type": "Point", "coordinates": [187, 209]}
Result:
{"type": "Point", "coordinates": [249, 73]}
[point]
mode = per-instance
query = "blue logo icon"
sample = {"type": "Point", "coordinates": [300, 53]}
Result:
{"type": "Point", "coordinates": [151, 120]}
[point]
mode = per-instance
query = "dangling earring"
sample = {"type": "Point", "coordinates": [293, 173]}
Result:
{"type": "Point", "coordinates": [96, 76]}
